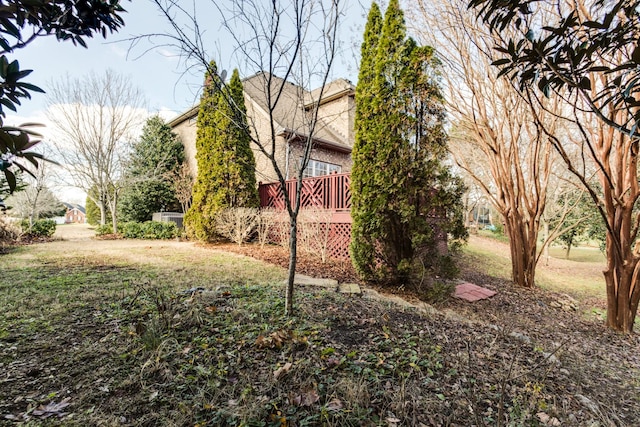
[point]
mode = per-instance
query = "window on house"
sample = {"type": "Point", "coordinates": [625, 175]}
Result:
{"type": "Point", "coordinates": [318, 168]}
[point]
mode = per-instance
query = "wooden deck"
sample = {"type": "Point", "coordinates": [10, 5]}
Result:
{"type": "Point", "coordinates": [331, 192]}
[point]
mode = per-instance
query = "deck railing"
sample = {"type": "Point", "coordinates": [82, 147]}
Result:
{"type": "Point", "coordinates": [329, 192]}
{"type": "Point", "coordinates": [326, 192]}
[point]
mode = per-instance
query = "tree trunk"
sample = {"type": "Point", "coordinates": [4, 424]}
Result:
{"type": "Point", "coordinates": [114, 221]}
{"type": "Point", "coordinates": [293, 247]}
{"type": "Point", "coordinates": [522, 243]}
{"type": "Point", "coordinates": [546, 247]}
{"type": "Point", "coordinates": [623, 292]}
{"type": "Point", "coordinates": [103, 213]}
{"type": "Point", "coordinates": [34, 207]}
{"type": "Point", "coordinates": [568, 251]}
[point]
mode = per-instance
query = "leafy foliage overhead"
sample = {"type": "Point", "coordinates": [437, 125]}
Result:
{"type": "Point", "coordinates": [571, 52]}
{"type": "Point", "coordinates": [21, 22]}
{"type": "Point", "coordinates": [72, 20]}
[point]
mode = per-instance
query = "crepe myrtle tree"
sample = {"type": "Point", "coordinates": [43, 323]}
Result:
{"type": "Point", "coordinates": [587, 54]}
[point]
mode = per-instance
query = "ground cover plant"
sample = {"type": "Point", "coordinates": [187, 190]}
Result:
{"type": "Point", "coordinates": [143, 333]}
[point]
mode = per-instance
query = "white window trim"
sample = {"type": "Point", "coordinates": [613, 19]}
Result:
{"type": "Point", "coordinates": [317, 168]}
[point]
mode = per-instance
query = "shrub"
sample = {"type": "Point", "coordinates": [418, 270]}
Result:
{"type": "Point", "coordinates": [9, 233]}
{"type": "Point", "coordinates": [438, 292]}
{"type": "Point", "coordinates": [159, 230]}
{"type": "Point", "coordinates": [498, 229]}
{"type": "Point", "coordinates": [237, 224]}
{"type": "Point", "coordinates": [314, 227]}
{"type": "Point", "coordinates": [40, 228]}
{"type": "Point", "coordinates": [132, 230]}
{"type": "Point", "coordinates": [265, 223]}
{"type": "Point", "coordinates": [105, 229]}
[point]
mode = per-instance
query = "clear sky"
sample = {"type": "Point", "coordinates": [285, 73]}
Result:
{"type": "Point", "coordinates": [170, 88]}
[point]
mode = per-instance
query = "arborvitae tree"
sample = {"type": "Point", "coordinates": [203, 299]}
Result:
{"type": "Point", "coordinates": [237, 180]}
{"type": "Point", "coordinates": [403, 198]}
{"type": "Point", "coordinates": [156, 154]}
{"type": "Point", "coordinates": [226, 166]}
{"type": "Point", "coordinates": [364, 150]}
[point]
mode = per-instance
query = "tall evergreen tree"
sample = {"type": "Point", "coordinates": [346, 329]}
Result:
{"type": "Point", "coordinates": [226, 166]}
{"type": "Point", "coordinates": [403, 198]}
{"type": "Point", "coordinates": [156, 154]}
{"type": "Point", "coordinates": [364, 150]}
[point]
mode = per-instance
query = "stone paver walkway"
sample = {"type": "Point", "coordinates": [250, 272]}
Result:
{"type": "Point", "coordinates": [470, 292]}
{"type": "Point", "coordinates": [344, 288]}
{"type": "Point", "coordinates": [465, 291]}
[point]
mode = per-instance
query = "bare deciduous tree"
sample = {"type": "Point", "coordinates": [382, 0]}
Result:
{"type": "Point", "coordinates": [181, 180]}
{"type": "Point", "coordinates": [494, 139]}
{"type": "Point", "coordinates": [587, 55]}
{"type": "Point", "coordinates": [36, 199]}
{"type": "Point", "coordinates": [292, 41]}
{"type": "Point", "coordinates": [95, 120]}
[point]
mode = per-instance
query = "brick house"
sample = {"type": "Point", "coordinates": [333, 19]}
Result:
{"type": "Point", "coordinates": [75, 214]}
{"type": "Point", "coordinates": [333, 135]}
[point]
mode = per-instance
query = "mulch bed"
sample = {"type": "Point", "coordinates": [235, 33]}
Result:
{"type": "Point", "coordinates": [307, 264]}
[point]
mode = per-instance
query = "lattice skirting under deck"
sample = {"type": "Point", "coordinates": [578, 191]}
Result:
{"type": "Point", "coordinates": [314, 238]}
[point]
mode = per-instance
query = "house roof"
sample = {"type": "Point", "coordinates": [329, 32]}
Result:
{"type": "Point", "coordinates": [71, 206]}
{"type": "Point", "coordinates": [290, 109]}
{"type": "Point", "coordinates": [191, 112]}
{"type": "Point", "coordinates": [332, 90]}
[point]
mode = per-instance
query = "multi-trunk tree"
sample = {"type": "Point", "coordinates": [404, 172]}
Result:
{"type": "Point", "coordinates": [494, 137]}
{"type": "Point", "coordinates": [157, 154]}
{"type": "Point", "coordinates": [226, 165]}
{"type": "Point", "coordinates": [404, 200]}
{"type": "Point", "coordinates": [587, 55]}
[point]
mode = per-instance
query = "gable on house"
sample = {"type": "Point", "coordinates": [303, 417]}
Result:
{"type": "Point", "coordinates": [76, 214]}
{"type": "Point", "coordinates": [333, 135]}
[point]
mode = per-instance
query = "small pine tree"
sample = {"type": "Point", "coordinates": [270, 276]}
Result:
{"type": "Point", "coordinates": [403, 197]}
{"type": "Point", "coordinates": [226, 166]}
{"type": "Point", "coordinates": [156, 154]}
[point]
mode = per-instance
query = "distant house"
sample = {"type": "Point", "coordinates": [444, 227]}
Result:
{"type": "Point", "coordinates": [333, 136]}
{"type": "Point", "coordinates": [76, 214]}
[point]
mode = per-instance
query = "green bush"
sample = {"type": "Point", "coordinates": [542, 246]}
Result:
{"type": "Point", "coordinates": [132, 230]}
{"type": "Point", "coordinates": [149, 230]}
{"type": "Point", "coordinates": [40, 228]}
{"type": "Point", "coordinates": [101, 230]}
